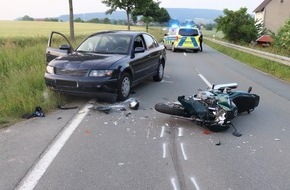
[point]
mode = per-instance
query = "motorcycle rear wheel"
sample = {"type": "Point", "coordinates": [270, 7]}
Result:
{"type": "Point", "coordinates": [171, 109]}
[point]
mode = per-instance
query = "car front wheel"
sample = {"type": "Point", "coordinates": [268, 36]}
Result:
{"type": "Point", "coordinates": [124, 87]}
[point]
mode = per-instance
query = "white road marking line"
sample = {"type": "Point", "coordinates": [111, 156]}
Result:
{"type": "Point", "coordinates": [205, 80]}
{"type": "Point", "coordinates": [148, 133]}
{"type": "Point", "coordinates": [166, 81]}
{"type": "Point", "coordinates": [33, 176]}
{"type": "Point", "coordinates": [194, 183]}
{"type": "Point", "coordinates": [164, 150]}
{"type": "Point", "coordinates": [174, 184]}
{"type": "Point", "coordinates": [180, 132]}
{"type": "Point", "coordinates": [183, 152]}
{"type": "Point", "coordinates": [162, 131]}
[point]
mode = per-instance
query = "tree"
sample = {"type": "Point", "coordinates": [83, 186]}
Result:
{"type": "Point", "coordinates": [106, 21]}
{"type": "Point", "coordinates": [78, 20]}
{"type": "Point", "coordinates": [94, 20]}
{"type": "Point", "coordinates": [127, 5]}
{"type": "Point", "coordinates": [27, 18]}
{"type": "Point", "coordinates": [162, 16]}
{"type": "Point", "coordinates": [71, 20]}
{"type": "Point", "coordinates": [151, 12]}
{"type": "Point", "coordinates": [282, 39]}
{"type": "Point", "coordinates": [209, 26]}
{"type": "Point", "coordinates": [237, 26]}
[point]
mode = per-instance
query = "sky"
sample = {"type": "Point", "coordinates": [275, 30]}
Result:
{"type": "Point", "coordinates": [12, 9]}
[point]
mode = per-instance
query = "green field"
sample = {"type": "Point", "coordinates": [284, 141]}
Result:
{"type": "Point", "coordinates": [22, 64]}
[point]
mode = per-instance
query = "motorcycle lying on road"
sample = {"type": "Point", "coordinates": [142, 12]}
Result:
{"type": "Point", "coordinates": [214, 108]}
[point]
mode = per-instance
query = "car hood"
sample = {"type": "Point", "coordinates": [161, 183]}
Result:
{"type": "Point", "coordinates": [86, 61]}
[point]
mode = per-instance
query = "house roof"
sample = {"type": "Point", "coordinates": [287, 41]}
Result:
{"type": "Point", "coordinates": [262, 6]}
{"type": "Point", "coordinates": [265, 39]}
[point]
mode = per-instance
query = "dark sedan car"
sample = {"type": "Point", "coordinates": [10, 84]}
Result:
{"type": "Point", "coordinates": [107, 61]}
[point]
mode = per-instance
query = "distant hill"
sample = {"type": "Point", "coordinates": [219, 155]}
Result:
{"type": "Point", "coordinates": [182, 14]}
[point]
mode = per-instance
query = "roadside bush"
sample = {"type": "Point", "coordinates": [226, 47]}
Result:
{"type": "Point", "coordinates": [282, 39]}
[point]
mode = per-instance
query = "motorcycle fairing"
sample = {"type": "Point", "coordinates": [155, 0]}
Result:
{"type": "Point", "coordinates": [193, 107]}
{"type": "Point", "coordinates": [245, 101]}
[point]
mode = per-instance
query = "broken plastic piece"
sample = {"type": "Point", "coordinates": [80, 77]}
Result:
{"type": "Point", "coordinates": [134, 105]}
{"type": "Point", "coordinates": [218, 144]}
{"type": "Point", "coordinates": [66, 107]}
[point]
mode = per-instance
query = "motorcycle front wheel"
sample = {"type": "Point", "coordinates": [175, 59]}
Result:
{"type": "Point", "coordinates": [171, 108]}
{"type": "Point", "coordinates": [218, 128]}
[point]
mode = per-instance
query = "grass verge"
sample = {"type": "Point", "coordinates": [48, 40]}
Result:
{"type": "Point", "coordinates": [273, 68]}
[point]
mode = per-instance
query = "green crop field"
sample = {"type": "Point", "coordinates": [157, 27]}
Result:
{"type": "Point", "coordinates": [11, 29]}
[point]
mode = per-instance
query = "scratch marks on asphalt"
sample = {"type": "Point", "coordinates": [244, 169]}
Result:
{"type": "Point", "coordinates": [170, 150]}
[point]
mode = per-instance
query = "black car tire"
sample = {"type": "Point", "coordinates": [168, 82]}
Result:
{"type": "Point", "coordinates": [124, 87]}
{"type": "Point", "coordinates": [160, 73]}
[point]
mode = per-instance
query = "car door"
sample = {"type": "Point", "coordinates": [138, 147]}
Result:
{"type": "Point", "coordinates": [140, 62]}
{"type": "Point", "coordinates": [58, 45]}
{"type": "Point", "coordinates": [153, 53]}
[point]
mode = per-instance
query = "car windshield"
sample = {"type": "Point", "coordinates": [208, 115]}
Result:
{"type": "Point", "coordinates": [107, 43]}
{"type": "Point", "coordinates": [188, 32]}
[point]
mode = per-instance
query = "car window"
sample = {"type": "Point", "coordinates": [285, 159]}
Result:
{"type": "Point", "coordinates": [150, 42]}
{"type": "Point", "coordinates": [138, 42]}
{"type": "Point", "coordinates": [107, 43]}
{"type": "Point", "coordinates": [172, 31]}
{"type": "Point", "coordinates": [58, 40]}
{"type": "Point", "coordinates": [188, 32]}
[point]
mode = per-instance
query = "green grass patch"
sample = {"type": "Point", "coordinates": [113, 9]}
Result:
{"type": "Point", "coordinates": [273, 68]}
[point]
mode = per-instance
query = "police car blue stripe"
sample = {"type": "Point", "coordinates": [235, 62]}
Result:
{"type": "Point", "coordinates": [194, 41]}
{"type": "Point", "coordinates": [182, 40]}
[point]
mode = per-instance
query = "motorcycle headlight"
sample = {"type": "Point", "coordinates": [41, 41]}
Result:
{"type": "Point", "coordinates": [101, 73]}
{"type": "Point", "coordinates": [49, 69]}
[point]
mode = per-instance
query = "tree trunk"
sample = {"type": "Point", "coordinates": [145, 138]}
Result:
{"type": "Point", "coordinates": [128, 18]}
{"type": "Point", "coordinates": [71, 21]}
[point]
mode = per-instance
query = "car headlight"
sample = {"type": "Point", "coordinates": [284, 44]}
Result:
{"type": "Point", "coordinates": [100, 73]}
{"type": "Point", "coordinates": [49, 69]}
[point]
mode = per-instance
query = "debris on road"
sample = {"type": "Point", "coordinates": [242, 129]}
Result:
{"type": "Point", "coordinates": [218, 144]}
{"type": "Point", "coordinates": [67, 107]}
{"type": "Point", "coordinates": [37, 113]}
{"type": "Point", "coordinates": [133, 104]}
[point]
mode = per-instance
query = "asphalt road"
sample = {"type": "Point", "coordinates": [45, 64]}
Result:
{"type": "Point", "coordinates": [143, 149]}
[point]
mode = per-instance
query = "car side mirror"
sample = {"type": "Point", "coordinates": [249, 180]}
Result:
{"type": "Point", "coordinates": [139, 50]}
{"type": "Point", "coordinates": [65, 47]}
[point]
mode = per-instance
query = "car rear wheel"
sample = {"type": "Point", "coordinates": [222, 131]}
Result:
{"type": "Point", "coordinates": [124, 87]}
{"type": "Point", "coordinates": [160, 72]}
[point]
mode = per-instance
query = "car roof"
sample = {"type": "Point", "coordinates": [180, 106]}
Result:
{"type": "Point", "coordinates": [184, 27]}
{"type": "Point", "coordinates": [127, 32]}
